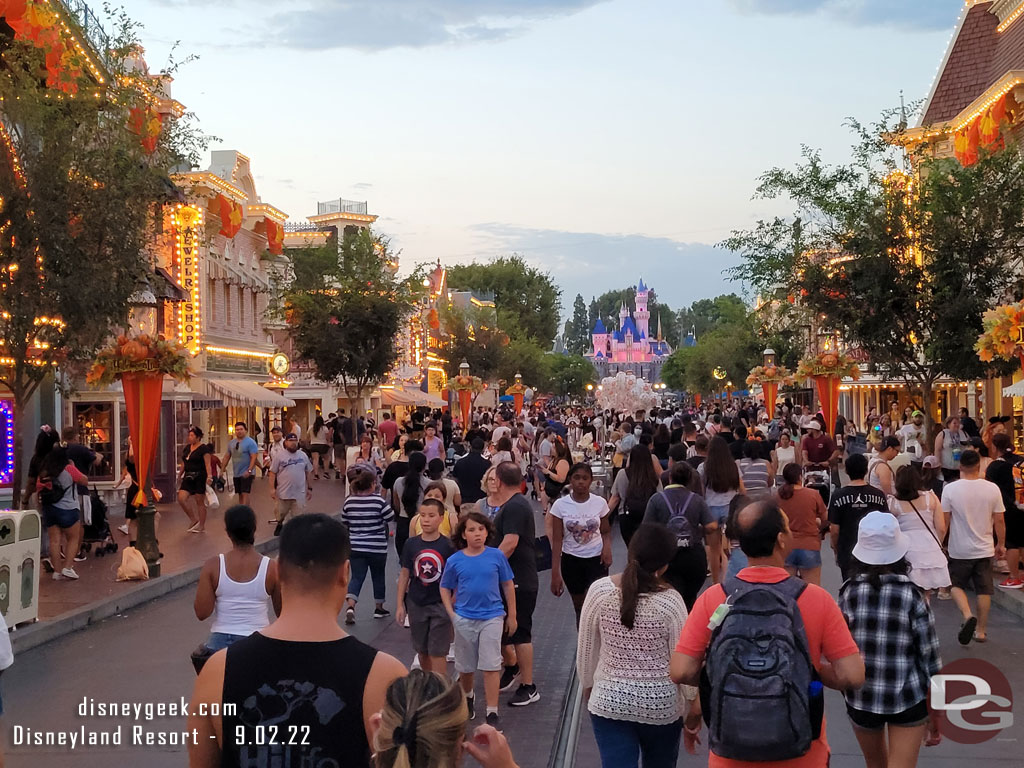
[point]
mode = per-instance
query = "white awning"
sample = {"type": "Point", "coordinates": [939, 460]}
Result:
{"type": "Point", "coordinates": [392, 396]}
{"type": "Point", "coordinates": [1014, 390]}
{"type": "Point", "coordinates": [246, 394]}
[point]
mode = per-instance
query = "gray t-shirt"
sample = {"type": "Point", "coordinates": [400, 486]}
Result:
{"type": "Point", "coordinates": [290, 470]}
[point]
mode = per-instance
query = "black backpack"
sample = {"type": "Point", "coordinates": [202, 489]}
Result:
{"type": "Point", "coordinates": [53, 494]}
{"type": "Point", "coordinates": [756, 684]}
{"type": "Point", "coordinates": [678, 501]}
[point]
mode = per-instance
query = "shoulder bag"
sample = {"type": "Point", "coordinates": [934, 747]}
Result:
{"type": "Point", "coordinates": [928, 528]}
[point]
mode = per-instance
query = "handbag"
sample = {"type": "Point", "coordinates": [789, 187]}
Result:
{"type": "Point", "coordinates": [542, 546]}
{"type": "Point", "coordinates": [929, 529]}
{"type": "Point", "coordinates": [133, 566]}
{"type": "Point", "coordinates": [212, 501]}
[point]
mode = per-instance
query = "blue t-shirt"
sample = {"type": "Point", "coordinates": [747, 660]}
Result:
{"type": "Point", "coordinates": [241, 453]}
{"type": "Point", "coordinates": [477, 582]}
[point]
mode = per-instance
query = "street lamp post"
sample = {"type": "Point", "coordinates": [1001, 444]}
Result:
{"type": "Point", "coordinates": [142, 306]}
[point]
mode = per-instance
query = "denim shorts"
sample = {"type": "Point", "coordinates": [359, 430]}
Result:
{"type": "Point", "coordinates": [804, 558]}
{"type": "Point", "coordinates": [218, 641]}
{"type": "Point", "coordinates": [719, 514]}
{"type": "Point", "coordinates": [63, 518]}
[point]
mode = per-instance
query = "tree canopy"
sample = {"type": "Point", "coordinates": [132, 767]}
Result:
{"type": "Point", "coordinates": [578, 328]}
{"type": "Point", "coordinates": [898, 251]}
{"type": "Point", "coordinates": [570, 375]}
{"type": "Point", "coordinates": [526, 298]}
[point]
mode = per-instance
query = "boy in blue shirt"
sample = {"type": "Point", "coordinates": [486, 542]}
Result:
{"type": "Point", "coordinates": [471, 589]}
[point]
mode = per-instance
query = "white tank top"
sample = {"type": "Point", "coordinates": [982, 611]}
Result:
{"type": "Point", "coordinates": [785, 456]}
{"type": "Point", "coordinates": [241, 607]}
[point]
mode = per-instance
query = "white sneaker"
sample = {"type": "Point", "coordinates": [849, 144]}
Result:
{"type": "Point", "coordinates": [451, 653]}
{"type": "Point", "coordinates": [57, 576]}
{"type": "Point", "coordinates": [123, 529]}
{"type": "Point", "coordinates": [69, 573]}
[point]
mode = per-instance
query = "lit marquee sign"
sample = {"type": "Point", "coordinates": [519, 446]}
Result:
{"type": "Point", "coordinates": [188, 226]}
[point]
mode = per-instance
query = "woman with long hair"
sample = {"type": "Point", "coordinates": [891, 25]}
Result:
{"type": "Point", "coordinates": [502, 451]}
{"type": "Point", "coordinates": [193, 476]}
{"type": "Point", "coordinates": [407, 495]}
{"type": "Point", "coordinates": [556, 474]}
{"type": "Point", "coordinates": [949, 444]}
{"type": "Point", "coordinates": [628, 628]}
{"type": "Point", "coordinates": [889, 712]}
{"type": "Point", "coordinates": [722, 483]}
{"type": "Point", "coordinates": [660, 444]}
{"type": "Point", "coordinates": [808, 519]}
{"type": "Point", "coordinates": [755, 471]}
{"type": "Point", "coordinates": [57, 485]}
{"type": "Point", "coordinates": [319, 438]}
{"type": "Point", "coordinates": [923, 522]}
{"type": "Point", "coordinates": [633, 488]}
{"type": "Point", "coordinates": [423, 725]}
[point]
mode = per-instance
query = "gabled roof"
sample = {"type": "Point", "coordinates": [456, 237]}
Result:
{"type": "Point", "coordinates": [978, 57]}
{"type": "Point", "coordinates": [599, 327]}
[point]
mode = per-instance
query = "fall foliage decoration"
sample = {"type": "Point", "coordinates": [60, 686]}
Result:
{"type": "Point", "coordinates": [1001, 338]}
{"type": "Point", "coordinates": [829, 363]}
{"type": "Point", "coordinates": [139, 354]}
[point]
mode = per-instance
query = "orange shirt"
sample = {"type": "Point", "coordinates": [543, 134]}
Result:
{"type": "Point", "coordinates": [805, 509]}
{"type": "Point", "coordinates": [827, 636]}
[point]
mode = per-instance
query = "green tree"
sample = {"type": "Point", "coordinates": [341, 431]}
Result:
{"type": "Point", "coordinates": [734, 347]}
{"type": "Point", "coordinates": [570, 375]}
{"type": "Point", "coordinates": [345, 319]}
{"type": "Point", "coordinates": [593, 312]}
{"type": "Point", "coordinates": [577, 336]}
{"type": "Point", "coordinates": [525, 357]}
{"type": "Point", "coordinates": [705, 315]}
{"type": "Point", "coordinates": [473, 336]}
{"type": "Point", "coordinates": [674, 370]}
{"type": "Point", "coordinates": [526, 298]}
{"type": "Point", "coordinates": [81, 200]}
{"type": "Point", "coordinates": [900, 252]}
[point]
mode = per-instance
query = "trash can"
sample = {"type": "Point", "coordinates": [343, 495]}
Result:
{"type": "Point", "coordinates": [20, 532]}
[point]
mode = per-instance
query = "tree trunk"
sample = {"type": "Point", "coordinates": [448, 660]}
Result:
{"type": "Point", "coordinates": [926, 405]}
{"type": "Point", "coordinates": [19, 441]}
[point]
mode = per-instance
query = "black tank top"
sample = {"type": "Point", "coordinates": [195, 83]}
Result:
{"type": "Point", "coordinates": [297, 703]}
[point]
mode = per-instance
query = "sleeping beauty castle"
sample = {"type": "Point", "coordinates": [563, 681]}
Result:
{"type": "Point", "coordinates": [631, 348]}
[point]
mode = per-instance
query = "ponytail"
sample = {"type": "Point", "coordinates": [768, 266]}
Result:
{"type": "Point", "coordinates": [630, 586]}
{"type": "Point", "coordinates": [791, 478]}
{"type": "Point", "coordinates": [423, 721]}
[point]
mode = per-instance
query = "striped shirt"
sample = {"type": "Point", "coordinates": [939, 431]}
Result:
{"type": "Point", "coordinates": [754, 473]}
{"type": "Point", "coordinates": [367, 519]}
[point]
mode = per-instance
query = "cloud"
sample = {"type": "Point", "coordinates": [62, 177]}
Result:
{"type": "Point", "coordinates": [591, 263]}
{"type": "Point", "coordinates": [383, 24]}
{"type": "Point", "coordinates": [362, 185]}
{"type": "Point", "coordinates": [906, 14]}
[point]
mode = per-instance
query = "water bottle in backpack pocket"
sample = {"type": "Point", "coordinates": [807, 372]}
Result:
{"type": "Point", "coordinates": [757, 684]}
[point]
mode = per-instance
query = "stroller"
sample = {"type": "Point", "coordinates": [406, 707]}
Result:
{"type": "Point", "coordinates": [818, 477]}
{"type": "Point", "coordinates": [98, 531]}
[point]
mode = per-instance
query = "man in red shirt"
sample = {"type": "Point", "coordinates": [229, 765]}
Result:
{"type": "Point", "coordinates": [764, 536]}
{"type": "Point", "coordinates": [817, 447]}
{"type": "Point", "coordinates": [388, 430]}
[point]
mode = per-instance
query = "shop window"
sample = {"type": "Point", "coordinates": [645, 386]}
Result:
{"type": "Point", "coordinates": [95, 422]}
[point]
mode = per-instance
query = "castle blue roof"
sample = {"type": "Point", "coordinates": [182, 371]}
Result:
{"type": "Point", "coordinates": [641, 288]}
{"type": "Point", "coordinates": [628, 326]}
{"type": "Point", "coordinates": [599, 327]}
{"type": "Point", "coordinates": [690, 341]}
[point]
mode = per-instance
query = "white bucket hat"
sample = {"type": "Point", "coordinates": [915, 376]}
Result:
{"type": "Point", "coordinates": [880, 540]}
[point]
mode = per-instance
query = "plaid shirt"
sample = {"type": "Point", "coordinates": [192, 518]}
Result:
{"type": "Point", "coordinates": [895, 631]}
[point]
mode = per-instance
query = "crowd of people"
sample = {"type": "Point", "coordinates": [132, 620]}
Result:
{"type": "Point", "coordinates": [723, 511]}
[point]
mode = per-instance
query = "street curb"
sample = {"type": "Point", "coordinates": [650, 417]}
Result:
{"type": "Point", "coordinates": [42, 632]}
{"type": "Point", "coordinates": [1011, 600]}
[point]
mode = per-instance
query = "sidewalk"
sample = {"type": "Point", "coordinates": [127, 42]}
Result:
{"type": "Point", "coordinates": [66, 605]}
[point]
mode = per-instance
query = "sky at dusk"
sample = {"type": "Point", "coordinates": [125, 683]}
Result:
{"type": "Point", "coordinates": [604, 140]}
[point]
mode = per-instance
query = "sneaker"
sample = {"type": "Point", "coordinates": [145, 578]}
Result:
{"type": "Point", "coordinates": [451, 653]}
{"type": "Point", "coordinates": [493, 720]}
{"type": "Point", "coordinates": [945, 594]}
{"type": "Point", "coordinates": [526, 694]}
{"type": "Point", "coordinates": [1001, 567]}
{"type": "Point", "coordinates": [350, 616]}
{"type": "Point", "coordinates": [471, 706]}
{"type": "Point", "coordinates": [381, 613]}
{"type": "Point", "coordinates": [69, 573]}
{"type": "Point", "coordinates": [82, 556]}
{"type": "Point", "coordinates": [509, 677]}
{"type": "Point", "coordinates": [57, 576]}
{"type": "Point", "coordinates": [1011, 584]}
{"type": "Point", "coordinates": [123, 529]}
{"type": "Point", "coordinates": [48, 564]}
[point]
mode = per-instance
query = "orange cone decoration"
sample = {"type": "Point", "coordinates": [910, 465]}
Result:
{"type": "Point", "coordinates": [142, 395]}
{"type": "Point", "coordinates": [771, 391]}
{"type": "Point", "coordinates": [828, 394]}
{"type": "Point", "coordinates": [465, 404]}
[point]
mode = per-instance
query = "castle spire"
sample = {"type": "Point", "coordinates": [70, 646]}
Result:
{"type": "Point", "coordinates": [659, 327]}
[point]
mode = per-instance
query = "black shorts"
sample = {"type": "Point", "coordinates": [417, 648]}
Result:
{"type": "Point", "coordinates": [243, 484]}
{"type": "Point", "coordinates": [579, 573]}
{"type": "Point", "coordinates": [526, 602]}
{"type": "Point", "coordinates": [916, 716]}
{"type": "Point", "coordinates": [1014, 529]}
{"type": "Point", "coordinates": [193, 486]}
{"type": "Point", "coordinates": [966, 574]}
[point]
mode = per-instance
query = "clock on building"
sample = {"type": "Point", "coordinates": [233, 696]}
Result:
{"type": "Point", "coordinates": [280, 364]}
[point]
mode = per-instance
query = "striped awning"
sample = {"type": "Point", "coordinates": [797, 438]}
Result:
{"type": "Point", "coordinates": [246, 394]}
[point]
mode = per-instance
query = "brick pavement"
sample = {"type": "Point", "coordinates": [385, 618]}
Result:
{"type": "Point", "coordinates": [182, 550]}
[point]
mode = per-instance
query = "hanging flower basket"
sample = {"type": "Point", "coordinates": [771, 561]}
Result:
{"type": "Point", "coordinates": [140, 354]}
{"type": "Point", "coordinates": [1001, 338]}
{"type": "Point", "coordinates": [831, 364]}
{"type": "Point", "coordinates": [770, 374]}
